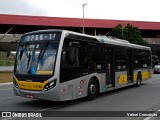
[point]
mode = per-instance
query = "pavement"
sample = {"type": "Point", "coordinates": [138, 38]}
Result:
{"type": "Point", "coordinates": [6, 68]}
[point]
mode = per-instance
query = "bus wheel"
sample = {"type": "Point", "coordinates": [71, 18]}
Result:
{"type": "Point", "coordinates": [139, 80]}
{"type": "Point", "coordinates": [92, 90]}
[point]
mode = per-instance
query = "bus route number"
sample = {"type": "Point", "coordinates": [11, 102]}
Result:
{"type": "Point", "coordinates": [36, 37]}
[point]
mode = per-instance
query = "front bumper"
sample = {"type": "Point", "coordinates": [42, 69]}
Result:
{"type": "Point", "coordinates": [52, 94]}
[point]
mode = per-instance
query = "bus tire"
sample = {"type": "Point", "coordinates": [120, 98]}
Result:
{"type": "Point", "coordinates": [92, 89]}
{"type": "Point", "coordinates": [139, 80]}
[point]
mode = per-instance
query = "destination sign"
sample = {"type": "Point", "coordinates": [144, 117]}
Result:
{"type": "Point", "coordinates": [41, 36]}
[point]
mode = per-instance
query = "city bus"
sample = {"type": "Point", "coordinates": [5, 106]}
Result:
{"type": "Point", "coordinates": [60, 65]}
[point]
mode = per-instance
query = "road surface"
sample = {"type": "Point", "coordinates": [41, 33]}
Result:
{"type": "Point", "coordinates": [144, 98]}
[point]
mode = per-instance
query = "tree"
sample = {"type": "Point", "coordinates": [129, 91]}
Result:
{"type": "Point", "coordinates": [130, 33]}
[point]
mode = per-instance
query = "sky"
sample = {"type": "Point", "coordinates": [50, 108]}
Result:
{"type": "Point", "coordinates": [137, 10]}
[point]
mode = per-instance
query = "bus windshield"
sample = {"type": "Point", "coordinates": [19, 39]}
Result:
{"type": "Point", "coordinates": [36, 58]}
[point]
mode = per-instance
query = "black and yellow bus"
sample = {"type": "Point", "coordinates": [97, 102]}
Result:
{"type": "Point", "coordinates": [61, 65]}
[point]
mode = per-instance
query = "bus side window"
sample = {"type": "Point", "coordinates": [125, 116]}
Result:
{"type": "Point", "coordinates": [148, 59]}
{"type": "Point", "coordinates": [71, 60]}
{"type": "Point", "coordinates": [144, 59]}
{"type": "Point", "coordinates": [72, 56]}
{"type": "Point", "coordinates": [136, 59]}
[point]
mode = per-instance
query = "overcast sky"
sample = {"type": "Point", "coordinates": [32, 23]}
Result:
{"type": "Point", "coordinates": [139, 10]}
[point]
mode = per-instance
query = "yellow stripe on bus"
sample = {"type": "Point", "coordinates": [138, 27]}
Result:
{"type": "Point", "coordinates": [44, 72]}
{"type": "Point", "coordinates": [145, 75]}
{"type": "Point", "coordinates": [31, 85]}
{"type": "Point", "coordinates": [135, 77]}
{"type": "Point", "coordinates": [122, 79]}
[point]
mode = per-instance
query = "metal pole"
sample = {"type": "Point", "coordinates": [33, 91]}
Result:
{"type": "Point", "coordinates": [122, 31]}
{"type": "Point", "coordinates": [6, 32]}
{"type": "Point", "coordinates": [83, 16]}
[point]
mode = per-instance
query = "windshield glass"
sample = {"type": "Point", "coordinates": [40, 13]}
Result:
{"type": "Point", "coordinates": [36, 58]}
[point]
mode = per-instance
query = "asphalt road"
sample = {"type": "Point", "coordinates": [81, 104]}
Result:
{"type": "Point", "coordinates": [144, 98]}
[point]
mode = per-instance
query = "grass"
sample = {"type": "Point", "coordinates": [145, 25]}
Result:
{"type": "Point", "coordinates": [6, 77]}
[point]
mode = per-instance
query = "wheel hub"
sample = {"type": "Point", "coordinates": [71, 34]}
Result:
{"type": "Point", "coordinates": [93, 89]}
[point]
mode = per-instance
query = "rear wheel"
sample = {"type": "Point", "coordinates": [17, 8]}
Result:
{"type": "Point", "coordinates": [92, 89]}
{"type": "Point", "coordinates": [139, 80]}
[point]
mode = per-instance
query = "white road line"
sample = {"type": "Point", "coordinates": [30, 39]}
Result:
{"type": "Point", "coordinates": [41, 110]}
{"type": "Point", "coordinates": [7, 118]}
{"type": "Point", "coordinates": [148, 118]}
{"type": "Point", "coordinates": [45, 109]}
{"type": "Point", "coordinates": [8, 98]}
{"type": "Point", "coordinates": [8, 83]}
{"type": "Point", "coordinates": [154, 82]}
{"type": "Point", "coordinates": [6, 89]}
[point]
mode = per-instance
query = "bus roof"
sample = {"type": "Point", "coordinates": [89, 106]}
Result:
{"type": "Point", "coordinates": [113, 41]}
{"type": "Point", "coordinates": [120, 42]}
{"type": "Point", "coordinates": [102, 39]}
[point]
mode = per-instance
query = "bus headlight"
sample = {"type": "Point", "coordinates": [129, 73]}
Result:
{"type": "Point", "coordinates": [15, 83]}
{"type": "Point", "coordinates": [50, 85]}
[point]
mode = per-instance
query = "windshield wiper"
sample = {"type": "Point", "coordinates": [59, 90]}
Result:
{"type": "Point", "coordinates": [29, 59]}
{"type": "Point", "coordinates": [43, 50]}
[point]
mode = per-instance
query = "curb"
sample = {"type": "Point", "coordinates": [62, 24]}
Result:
{"type": "Point", "coordinates": [8, 83]}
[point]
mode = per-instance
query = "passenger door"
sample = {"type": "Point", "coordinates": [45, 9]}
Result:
{"type": "Point", "coordinates": [110, 71]}
{"type": "Point", "coordinates": [129, 66]}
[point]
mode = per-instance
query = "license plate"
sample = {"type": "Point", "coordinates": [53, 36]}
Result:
{"type": "Point", "coordinates": [30, 96]}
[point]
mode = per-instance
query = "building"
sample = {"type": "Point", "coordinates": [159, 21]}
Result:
{"type": "Point", "coordinates": [15, 25]}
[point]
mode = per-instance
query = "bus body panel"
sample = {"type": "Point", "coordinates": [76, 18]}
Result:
{"type": "Point", "coordinates": [146, 74]}
{"type": "Point", "coordinates": [66, 89]}
{"type": "Point", "coordinates": [102, 81]}
{"type": "Point", "coordinates": [76, 88]}
{"type": "Point", "coordinates": [121, 78]}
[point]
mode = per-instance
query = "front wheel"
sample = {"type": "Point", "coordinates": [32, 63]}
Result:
{"type": "Point", "coordinates": [92, 90]}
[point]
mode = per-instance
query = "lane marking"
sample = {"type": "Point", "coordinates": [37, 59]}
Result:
{"type": "Point", "coordinates": [148, 118]}
{"type": "Point", "coordinates": [45, 109]}
{"type": "Point", "coordinates": [8, 98]}
{"type": "Point", "coordinates": [6, 89]}
{"type": "Point", "coordinates": [8, 118]}
{"type": "Point", "coordinates": [8, 83]}
{"type": "Point", "coordinates": [154, 82]}
{"type": "Point", "coordinates": [63, 105]}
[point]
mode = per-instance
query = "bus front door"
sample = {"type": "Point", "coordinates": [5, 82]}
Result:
{"type": "Point", "coordinates": [110, 72]}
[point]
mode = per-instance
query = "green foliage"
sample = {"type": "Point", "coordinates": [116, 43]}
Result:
{"type": "Point", "coordinates": [117, 31]}
{"type": "Point", "coordinates": [130, 33]}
